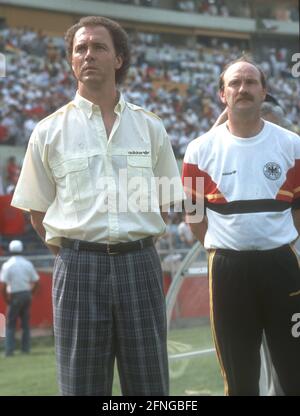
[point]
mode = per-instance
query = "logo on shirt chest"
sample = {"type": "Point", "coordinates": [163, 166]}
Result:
{"type": "Point", "coordinates": [272, 171]}
{"type": "Point", "coordinates": [136, 152]}
{"type": "Point", "coordinates": [229, 173]}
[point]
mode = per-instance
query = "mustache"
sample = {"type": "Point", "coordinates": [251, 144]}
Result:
{"type": "Point", "coordinates": [245, 96]}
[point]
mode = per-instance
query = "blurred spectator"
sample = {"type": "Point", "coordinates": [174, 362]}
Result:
{"type": "Point", "coordinates": [12, 171]}
{"type": "Point", "coordinates": [186, 5]}
{"type": "Point", "coordinates": [19, 280]}
{"type": "Point", "coordinates": [3, 134]}
{"type": "Point", "coordinates": [185, 234]}
{"type": "Point", "coordinates": [12, 220]}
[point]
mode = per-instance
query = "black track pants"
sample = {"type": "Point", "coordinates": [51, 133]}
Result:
{"type": "Point", "coordinates": [251, 291]}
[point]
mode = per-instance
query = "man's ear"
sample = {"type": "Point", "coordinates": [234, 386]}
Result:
{"type": "Point", "coordinates": [222, 96]}
{"type": "Point", "coordinates": [264, 94]}
{"type": "Point", "coordinates": [118, 62]}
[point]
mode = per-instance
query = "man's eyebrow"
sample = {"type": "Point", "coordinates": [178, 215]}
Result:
{"type": "Point", "coordinates": [94, 42]}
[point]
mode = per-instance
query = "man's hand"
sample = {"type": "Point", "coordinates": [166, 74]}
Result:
{"type": "Point", "coordinates": [199, 229]}
{"type": "Point", "coordinates": [37, 218]}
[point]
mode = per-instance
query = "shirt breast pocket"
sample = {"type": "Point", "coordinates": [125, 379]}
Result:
{"type": "Point", "coordinates": [73, 184]}
{"type": "Point", "coordinates": [139, 166]}
{"type": "Point", "coordinates": [140, 185]}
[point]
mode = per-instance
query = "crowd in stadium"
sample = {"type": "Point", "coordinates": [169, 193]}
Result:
{"type": "Point", "coordinates": [176, 82]}
{"type": "Point", "coordinates": [226, 8]}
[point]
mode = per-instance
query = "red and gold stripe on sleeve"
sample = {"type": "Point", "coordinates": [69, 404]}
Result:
{"type": "Point", "coordinates": [190, 173]}
{"type": "Point", "coordinates": [290, 190]}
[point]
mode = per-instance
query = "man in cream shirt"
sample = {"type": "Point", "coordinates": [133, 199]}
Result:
{"type": "Point", "coordinates": [87, 181]}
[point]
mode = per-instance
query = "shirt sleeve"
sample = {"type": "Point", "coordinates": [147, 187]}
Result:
{"type": "Point", "coordinates": [296, 175]}
{"type": "Point", "coordinates": [190, 173]}
{"type": "Point", "coordinates": [167, 172]}
{"type": "Point", "coordinates": [35, 189]}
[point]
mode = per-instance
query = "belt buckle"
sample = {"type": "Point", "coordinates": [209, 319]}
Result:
{"type": "Point", "coordinates": [110, 251]}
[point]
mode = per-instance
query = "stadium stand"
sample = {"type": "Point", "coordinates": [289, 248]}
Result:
{"type": "Point", "coordinates": [39, 80]}
{"type": "Point", "coordinates": [285, 11]}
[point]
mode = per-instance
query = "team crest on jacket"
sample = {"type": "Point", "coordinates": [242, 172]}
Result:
{"type": "Point", "coordinates": [272, 171]}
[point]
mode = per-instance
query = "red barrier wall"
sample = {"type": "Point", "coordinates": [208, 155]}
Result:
{"type": "Point", "coordinates": [192, 300]}
{"type": "Point", "coordinates": [41, 308]}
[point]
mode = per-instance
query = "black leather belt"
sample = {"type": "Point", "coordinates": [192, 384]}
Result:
{"type": "Point", "coordinates": [111, 249]}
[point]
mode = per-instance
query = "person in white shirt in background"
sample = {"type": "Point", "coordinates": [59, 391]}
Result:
{"type": "Point", "coordinates": [19, 280]}
{"type": "Point", "coordinates": [185, 234]}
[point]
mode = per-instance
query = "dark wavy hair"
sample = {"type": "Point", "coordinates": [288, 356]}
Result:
{"type": "Point", "coordinates": [117, 33]}
{"type": "Point", "coordinates": [242, 59]}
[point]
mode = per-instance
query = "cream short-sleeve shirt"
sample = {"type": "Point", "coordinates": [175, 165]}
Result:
{"type": "Point", "coordinates": [96, 188]}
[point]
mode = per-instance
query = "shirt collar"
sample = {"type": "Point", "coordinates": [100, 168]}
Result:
{"type": "Point", "coordinates": [88, 107]}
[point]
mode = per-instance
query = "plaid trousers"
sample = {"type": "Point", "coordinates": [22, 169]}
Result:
{"type": "Point", "coordinates": [108, 307]}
